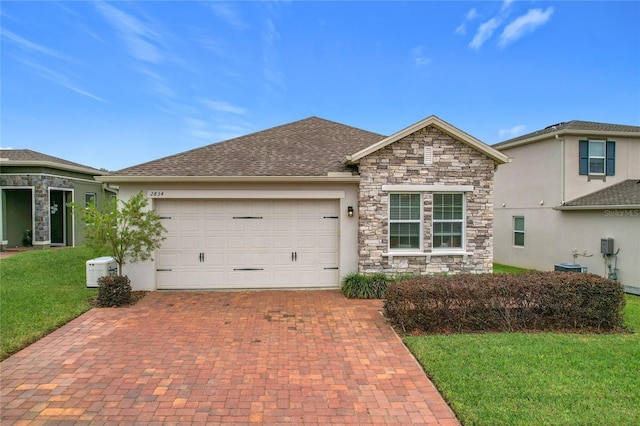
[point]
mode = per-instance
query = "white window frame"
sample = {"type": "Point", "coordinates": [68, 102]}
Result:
{"type": "Point", "coordinates": [602, 157]}
{"type": "Point", "coordinates": [418, 221]}
{"type": "Point", "coordinates": [518, 231]}
{"type": "Point", "coordinates": [462, 221]}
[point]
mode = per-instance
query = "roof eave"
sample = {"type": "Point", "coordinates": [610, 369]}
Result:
{"type": "Point", "coordinates": [568, 132]}
{"type": "Point", "coordinates": [601, 207]}
{"type": "Point", "coordinates": [442, 125]}
{"type": "Point", "coordinates": [53, 165]}
{"type": "Point", "coordinates": [226, 179]}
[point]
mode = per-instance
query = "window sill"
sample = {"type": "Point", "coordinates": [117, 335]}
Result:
{"type": "Point", "coordinates": [427, 255]}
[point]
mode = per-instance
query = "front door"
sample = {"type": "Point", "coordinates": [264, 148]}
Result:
{"type": "Point", "coordinates": [59, 216]}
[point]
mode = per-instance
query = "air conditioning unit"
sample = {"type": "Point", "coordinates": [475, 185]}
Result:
{"type": "Point", "coordinates": [569, 267]}
{"type": "Point", "coordinates": [100, 267]}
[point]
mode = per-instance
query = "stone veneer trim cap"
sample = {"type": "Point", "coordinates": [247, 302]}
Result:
{"type": "Point", "coordinates": [441, 125]}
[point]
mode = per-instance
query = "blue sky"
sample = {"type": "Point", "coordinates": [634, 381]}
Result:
{"type": "Point", "coordinates": [114, 84]}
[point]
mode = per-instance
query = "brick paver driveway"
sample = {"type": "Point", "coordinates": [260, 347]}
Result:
{"type": "Point", "coordinates": [309, 357]}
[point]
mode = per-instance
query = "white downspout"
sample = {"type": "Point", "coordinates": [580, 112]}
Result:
{"type": "Point", "coordinates": [562, 169]}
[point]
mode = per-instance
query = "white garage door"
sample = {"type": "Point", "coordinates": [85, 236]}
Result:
{"type": "Point", "coordinates": [248, 244]}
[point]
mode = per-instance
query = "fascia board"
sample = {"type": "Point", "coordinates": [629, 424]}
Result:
{"type": "Point", "coordinates": [563, 133]}
{"type": "Point", "coordinates": [52, 165]}
{"type": "Point", "coordinates": [250, 179]}
{"type": "Point", "coordinates": [438, 123]}
{"type": "Point", "coordinates": [599, 207]}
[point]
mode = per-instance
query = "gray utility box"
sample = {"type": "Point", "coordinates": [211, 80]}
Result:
{"type": "Point", "coordinates": [606, 246]}
{"type": "Point", "coordinates": [569, 267]}
{"type": "Point", "coordinates": [100, 267]}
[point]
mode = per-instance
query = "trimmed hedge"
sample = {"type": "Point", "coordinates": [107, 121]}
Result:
{"type": "Point", "coordinates": [532, 301]}
{"type": "Point", "coordinates": [113, 290]}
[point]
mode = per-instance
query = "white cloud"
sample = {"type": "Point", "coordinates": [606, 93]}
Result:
{"type": "Point", "coordinates": [59, 79]}
{"type": "Point", "coordinates": [462, 28]}
{"type": "Point", "coordinates": [512, 132]}
{"type": "Point", "coordinates": [140, 39]}
{"type": "Point", "coordinates": [221, 106]}
{"type": "Point", "coordinates": [524, 24]}
{"type": "Point", "coordinates": [419, 57]}
{"type": "Point", "coordinates": [484, 33]}
{"type": "Point", "coordinates": [29, 46]}
{"type": "Point", "coordinates": [228, 14]}
{"type": "Point", "coordinates": [505, 5]}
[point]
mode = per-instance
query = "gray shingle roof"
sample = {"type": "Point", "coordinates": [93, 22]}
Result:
{"type": "Point", "coordinates": [626, 193]}
{"type": "Point", "coordinates": [29, 156]}
{"type": "Point", "coordinates": [309, 147]}
{"type": "Point", "coordinates": [573, 125]}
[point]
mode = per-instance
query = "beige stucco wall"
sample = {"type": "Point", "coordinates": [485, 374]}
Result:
{"type": "Point", "coordinates": [535, 181]}
{"type": "Point", "coordinates": [143, 275]}
{"type": "Point", "coordinates": [627, 166]}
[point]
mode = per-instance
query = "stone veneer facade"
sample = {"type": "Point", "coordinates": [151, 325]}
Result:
{"type": "Point", "coordinates": [40, 185]}
{"type": "Point", "coordinates": [402, 163]}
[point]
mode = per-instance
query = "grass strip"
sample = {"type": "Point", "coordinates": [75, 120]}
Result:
{"type": "Point", "coordinates": [40, 290]}
{"type": "Point", "coordinates": [537, 379]}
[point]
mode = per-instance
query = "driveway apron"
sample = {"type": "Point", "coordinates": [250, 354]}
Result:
{"type": "Point", "coordinates": [302, 357]}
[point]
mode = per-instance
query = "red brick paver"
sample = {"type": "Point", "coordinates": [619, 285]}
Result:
{"type": "Point", "coordinates": [304, 357]}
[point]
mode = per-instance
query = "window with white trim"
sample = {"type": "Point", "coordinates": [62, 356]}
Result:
{"type": "Point", "coordinates": [518, 231]}
{"type": "Point", "coordinates": [405, 221]}
{"type": "Point", "coordinates": [596, 157]}
{"type": "Point", "coordinates": [448, 221]}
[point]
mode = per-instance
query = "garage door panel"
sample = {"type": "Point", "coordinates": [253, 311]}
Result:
{"type": "Point", "coordinates": [171, 242]}
{"type": "Point", "coordinates": [264, 246]}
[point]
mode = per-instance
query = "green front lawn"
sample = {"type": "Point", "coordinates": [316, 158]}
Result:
{"type": "Point", "coordinates": [537, 379]}
{"type": "Point", "coordinates": [40, 290]}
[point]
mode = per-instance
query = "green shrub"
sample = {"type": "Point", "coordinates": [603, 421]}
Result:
{"type": "Point", "coordinates": [359, 286]}
{"type": "Point", "coordinates": [532, 301]}
{"type": "Point", "coordinates": [114, 290]}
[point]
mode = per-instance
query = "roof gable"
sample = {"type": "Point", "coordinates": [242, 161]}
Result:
{"type": "Point", "coordinates": [441, 125]}
{"type": "Point", "coordinates": [306, 148]}
{"type": "Point", "coordinates": [27, 157]}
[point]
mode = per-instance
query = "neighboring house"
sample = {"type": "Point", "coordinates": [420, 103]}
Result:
{"type": "Point", "coordinates": [303, 204]}
{"type": "Point", "coordinates": [35, 190]}
{"type": "Point", "coordinates": [565, 188]}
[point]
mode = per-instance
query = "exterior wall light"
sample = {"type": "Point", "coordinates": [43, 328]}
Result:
{"type": "Point", "coordinates": [350, 211]}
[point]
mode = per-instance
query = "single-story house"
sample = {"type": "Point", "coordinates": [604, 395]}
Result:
{"type": "Point", "coordinates": [35, 190]}
{"type": "Point", "coordinates": [303, 204]}
{"type": "Point", "coordinates": [570, 194]}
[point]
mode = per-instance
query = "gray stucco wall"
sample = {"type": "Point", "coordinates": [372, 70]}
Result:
{"type": "Point", "coordinates": [402, 163]}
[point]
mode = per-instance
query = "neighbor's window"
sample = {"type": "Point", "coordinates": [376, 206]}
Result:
{"type": "Point", "coordinates": [89, 198]}
{"type": "Point", "coordinates": [518, 231]}
{"type": "Point", "coordinates": [597, 158]}
{"type": "Point", "coordinates": [405, 216]}
{"type": "Point", "coordinates": [448, 221]}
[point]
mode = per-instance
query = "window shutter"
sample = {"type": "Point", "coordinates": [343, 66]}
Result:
{"type": "Point", "coordinates": [611, 158]}
{"type": "Point", "coordinates": [584, 157]}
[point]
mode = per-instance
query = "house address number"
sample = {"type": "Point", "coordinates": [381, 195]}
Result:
{"type": "Point", "coordinates": [155, 194]}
